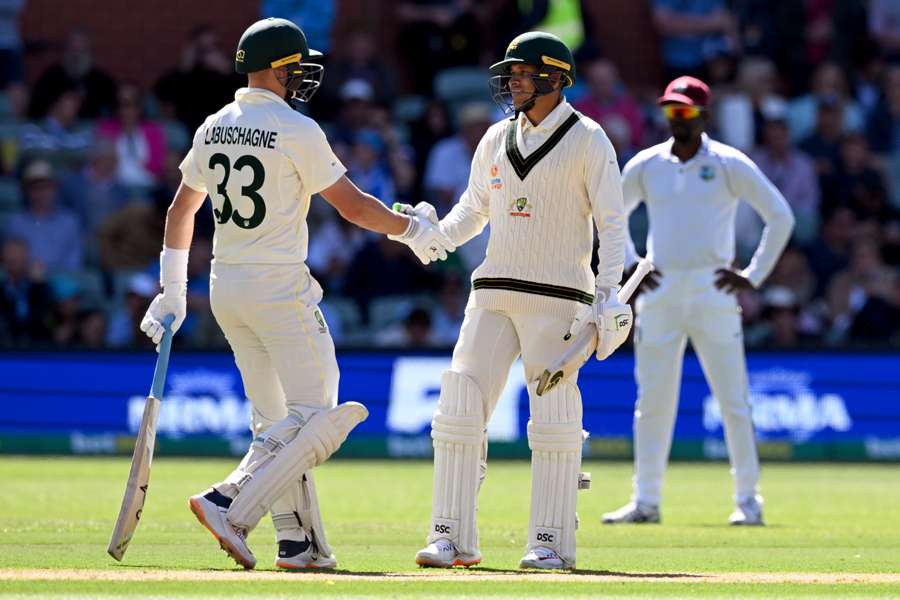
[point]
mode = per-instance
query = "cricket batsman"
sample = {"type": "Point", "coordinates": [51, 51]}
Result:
{"type": "Point", "coordinates": [691, 186]}
{"type": "Point", "coordinates": [260, 161]}
{"type": "Point", "coordinates": [542, 179]}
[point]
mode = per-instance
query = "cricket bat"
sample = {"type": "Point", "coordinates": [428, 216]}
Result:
{"type": "Point", "coordinates": [585, 342]}
{"type": "Point", "coordinates": [139, 477]}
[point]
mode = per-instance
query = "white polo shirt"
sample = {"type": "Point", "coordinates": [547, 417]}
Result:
{"type": "Point", "coordinates": [692, 206]}
{"type": "Point", "coordinates": [260, 161]}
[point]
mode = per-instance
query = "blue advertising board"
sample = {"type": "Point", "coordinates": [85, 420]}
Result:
{"type": "Point", "coordinates": [838, 406]}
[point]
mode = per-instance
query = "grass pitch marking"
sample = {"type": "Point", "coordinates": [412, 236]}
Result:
{"type": "Point", "coordinates": [139, 574]}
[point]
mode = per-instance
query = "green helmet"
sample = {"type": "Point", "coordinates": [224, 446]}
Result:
{"type": "Point", "coordinates": [538, 48]}
{"type": "Point", "coordinates": [271, 43]}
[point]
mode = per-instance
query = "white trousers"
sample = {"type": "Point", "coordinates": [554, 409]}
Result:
{"type": "Point", "coordinates": [687, 306]}
{"type": "Point", "coordinates": [282, 347]}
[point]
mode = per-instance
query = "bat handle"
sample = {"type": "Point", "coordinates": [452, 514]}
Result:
{"type": "Point", "coordinates": [644, 266]}
{"type": "Point", "coordinates": [162, 361]}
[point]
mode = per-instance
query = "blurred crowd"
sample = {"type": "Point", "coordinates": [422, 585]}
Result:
{"type": "Point", "coordinates": [810, 89]}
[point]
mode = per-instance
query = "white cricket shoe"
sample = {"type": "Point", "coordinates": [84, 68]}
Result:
{"type": "Point", "coordinates": [541, 557]}
{"type": "Point", "coordinates": [233, 540]}
{"type": "Point", "coordinates": [443, 555]}
{"type": "Point", "coordinates": [302, 555]}
{"type": "Point", "coordinates": [633, 512]}
{"type": "Point", "coordinates": [748, 512]}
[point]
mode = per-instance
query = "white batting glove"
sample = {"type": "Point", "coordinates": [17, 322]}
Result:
{"type": "Point", "coordinates": [172, 301]}
{"type": "Point", "coordinates": [424, 235]}
{"type": "Point", "coordinates": [612, 319]}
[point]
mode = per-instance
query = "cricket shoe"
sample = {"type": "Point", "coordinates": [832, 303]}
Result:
{"type": "Point", "coordinates": [302, 555]}
{"type": "Point", "coordinates": [210, 508]}
{"type": "Point", "coordinates": [542, 557]}
{"type": "Point", "coordinates": [443, 554]}
{"type": "Point", "coordinates": [633, 512]}
{"type": "Point", "coordinates": [748, 512]}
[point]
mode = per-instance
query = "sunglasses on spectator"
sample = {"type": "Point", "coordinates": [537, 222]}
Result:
{"type": "Point", "coordinates": [681, 111]}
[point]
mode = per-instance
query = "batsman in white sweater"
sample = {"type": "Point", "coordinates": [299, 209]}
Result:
{"type": "Point", "coordinates": [542, 179]}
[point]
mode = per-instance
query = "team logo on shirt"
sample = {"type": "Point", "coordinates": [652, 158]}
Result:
{"type": "Point", "coordinates": [496, 182]}
{"type": "Point", "coordinates": [707, 173]}
{"type": "Point", "coordinates": [520, 207]}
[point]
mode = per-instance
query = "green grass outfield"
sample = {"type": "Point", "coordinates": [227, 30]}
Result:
{"type": "Point", "coordinates": [833, 531]}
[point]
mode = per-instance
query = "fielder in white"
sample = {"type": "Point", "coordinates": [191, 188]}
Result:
{"type": "Point", "coordinates": [542, 180]}
{"type": "Point", "coordinates": [260, 161]}
{"type": "Point", "coordinates": [691, 186]}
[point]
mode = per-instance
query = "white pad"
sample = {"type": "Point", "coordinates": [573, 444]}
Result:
{"type": "Point", "coordinates": [555, 438]}
{"type": "Point", "coordinates": [458, 432]}
{"type": "Point", "coordinates": [297, 511]}
{"type": "Point", "coordinates": [280, 456]}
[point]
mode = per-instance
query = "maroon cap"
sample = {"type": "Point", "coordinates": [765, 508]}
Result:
{"type": "Point", "coordinates": [686, 90]}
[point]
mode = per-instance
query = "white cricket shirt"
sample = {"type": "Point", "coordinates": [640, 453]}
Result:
{"type": "Point", "coordinates": [260, 161]}
{"type": "Point", "coordinates": [691, 207]}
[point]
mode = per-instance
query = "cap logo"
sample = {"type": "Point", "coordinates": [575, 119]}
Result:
{"type": "Point", "coordinates": [239, 57]}
{"type": "Point", "coordinates": [554, 62]}
{"type": "Point", "coordinates": [286, 60]}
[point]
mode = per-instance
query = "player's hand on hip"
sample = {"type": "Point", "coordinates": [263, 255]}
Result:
{"type": "Point", "coordinates": [424, 235]}
{"type": "Point", "coordinates": [172, 301]}
{"type": "Point", "coordinates": [731, 281]}
{"type": "Point", "coordinates": [650, 282]}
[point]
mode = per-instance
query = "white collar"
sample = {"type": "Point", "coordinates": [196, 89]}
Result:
{"type": "Point", "coordinates": [559, 114]}
{"type": "Point", "coordinates": [701, 151]}
{"type": "Point", "coordinates": [256, 94]}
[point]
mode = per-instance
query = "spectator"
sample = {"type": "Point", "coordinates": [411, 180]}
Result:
{"type": "Point", "coordinates": [883, 127]}
{"type": "Point", "coordinates": [438, 32]}
{"type": "Point", "coordinates": [792, 172]}
{"type": "Point", "coordinates": [11, 60]}
{"type": "Point", "coordinates": [884, 26]}
{"type": "Point", "coordinates": [25, 299]}
{"type": "Point", "coordinates": [450, 160]}
{"type": "Point", "coordinates": [94, 192]}
{"type": "Point", "coordinates": [367, 167]}
{"type": "Point", "coordinates": [140, 144]}
{"type": "Point", "coordinates": [738, 112]}
{"type": "Point", "coordinates": [125, 323]}
{"type": "Point", "coordinates": [314, 17]}
{"type": "Point", "coordinates": [863, 298]}
{"type": "Point", "coordinates": [52, 233]}
{"type": "Point", "coordinates": [203, 81]}
{"type": "Point", "coordinates": [829, 84]}
{"type": "Point", "coordinates": [448, 315]}
{"type": "Point", "coordinates": [414, 332]}
{"type": "Point", "coordinates": [824, 145]}
{"type": "Point", "coordinates": [367, 280]}
{"type": "Point", "coordinates": [432, 127]}
{"type": "Point", "coordinates": [831, 252]}
{"type": "Point", "coordinates": [122, 245]}
{"type": "Point", "coordinates": [358, 59]}
{"type": "Point", "coordinates": [794, 273]}
{"type": "Point", "coordinates": [858, 183]}
{"type": "Point", "coordinates": [692, 31]}
{"type": "Point", "coordinates": [92, 329]}
{"type": "Point", "coordinates": [608, 98]}
{"type": "Point", "coordinates": [11, 124]}
{"type": "Point", "coordinates": [75, 71]}
{"type": "Point", "coordinates": [331, 249]}
{"type": "Point", "coordinates": [67, 299]}
{"type": "Point", "coordinates": [355, 111]}
{"type": "Point", "coordinates": [60, 137]}
{"type": "Point", "coordinates": [781, 320]}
